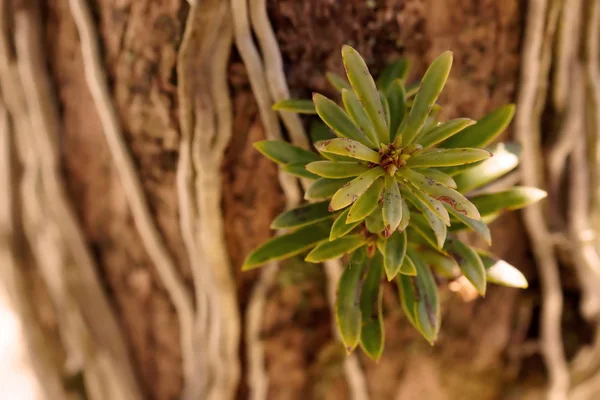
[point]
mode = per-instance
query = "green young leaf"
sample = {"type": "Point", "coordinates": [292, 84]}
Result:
{"type": "Point", "coordinates": [438, 176]}
{"type": "Point", "coordinates": [349, 193]}
{"type": "Point", "coordinates": [444, 265]}
{"type": "Point", "coordinates": [502, 273]}
{"type": "Point", "coordinates": [358, 114]}
{"type": "Point", "coordinates": [364, 86]}
{"type": "Point", "coordinates": [484, 131]}
{"type": "Point", "coordinates": [335, 248]}
{"type": "Point", "coordinates": [444, 131]}
{"type": "Point", "coordinates": [408, 296]}
{"type": "Point", "coordinates": [447, 157]}
{"type": "Point", "coordinates": [338, 82]}
{"type": "Point", "coordinates": [319, 131]}
{"type": "Point", "coordinates": [374, 222]}
{"type": "Point", "coordinates": [299, 170]}
{"type": "Point", "coordinates": [469, 262]}
{"type": "Point", "coordinates": [427, 307]}
{"type": "Point", "coordinates": [392, 205]}
{"type": "Point", "coordinates": [347, 305]}
{"type": "Point", "coordinates": [372, 333]}
{"type": "Point", "coordinates": [337, 169]}
{"type": "Point", "coordinates": [386, 107]}
{"type": "Point", "coordinates": [396, 71]}
{"type": "Point", "coordinates": [395, 250]}
{"type": "Point", "coordinates": [284, 153]}
{"type": "Point", "coordinates": [341, 227]}
{"type": "Point", "coordinates": [511, 199]}
{"type": "Point", "coordinates": [324, 188]}
{"type": "Point", "coordinates": [405, 216]}
{"type": "Point", "coordinates": [478, 226]}
{"type": "Point", "coordinates": [431, 86]}
{"type": "Point", "coordinates": [288, 245]}
{"type": "Point", "coordinates": [440, 192]}
{"type": "Point", "coordinates": [506, 158]}
{"type": "Point", "coordinates": [366, 203]}
{"type": "Point", "coordinates": [424, 203]}
{"type": "Point", "coordinates": [301, 216]}
{"type": "Point", "coordinates": [337, 119]}
{"type": "Point", "coordinates": [350, 148]}
{"type": "Point", "coordinates": [296, 106]}
{"type": "Point", "coordinates": [396, 96]}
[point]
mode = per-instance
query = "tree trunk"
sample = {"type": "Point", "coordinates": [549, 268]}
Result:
{"type": "Point", "coordinates": [133, 195]}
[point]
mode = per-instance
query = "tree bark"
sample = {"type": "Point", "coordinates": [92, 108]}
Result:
{"type": "Point", "coordinates": [134, 195]}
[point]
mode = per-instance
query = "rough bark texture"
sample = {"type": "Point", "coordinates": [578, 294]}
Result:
{"type": "Point", "coordinates": [481, 339]}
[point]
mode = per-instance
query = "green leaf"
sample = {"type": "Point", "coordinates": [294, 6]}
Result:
{"type": "Point", "coordinates": [301, 216]}
{"type": "Point", "coordinates": [427, 306]}
{"type": "Point", "coordinates": [358, 114]}
{"type": "Point", "coordinates": [335, 248]}
{"type": "Point", "coordinates": [364, 86]}
{"type": "Point", "coordinates": [386, 108]}
{"type": "Point", "coordinates": [447, 157]}
{"type": "Point", "coordinates": [511, 199]}
{"type": "Point", "coordinates": [440, 192]}
{"type": "Point", "coordinates": [431, 86]}
{"type": "Point", "coordinates": [426, 203]}
{"type": "Point", "coordinates": [319, 131]}
{"type": "Point", "coordinates": [392, 205]}
{"type": "Point", "coordinates": [337, 169]}
{"type": "Point", "coordinates": [284, 153]}
{"type": "Point", "coordinates": [444, 131]}
{"type": "Point", "coordinates": [437, 225]}
{"type": "Point", "coordinates": [469, 262]}
{"type": "Point", "coordinates": [366, 203]}
{"type": "Point", "coordinates": [444, 265]}
{"type": "Point", "coordinates": [374, 222]}
{"type": "Point", "coordinates": [350, 148]}
{"type": "Point", "coordinates": [430, 123]}
{"type": "Point", "coordinates": [337, 81]}
{"type": "Point", "coordinates": [347, 305]}
{"type": "Point", "coordinates": [288, 245]}
{"type": "Point", "coordinates": [353, 190]}
{"type": "Point", "coordinates": [396, 71]}
{"type": "Point", "coordinates": [478, 226]}
{"type": "Point", "coordinates": [420, 226]}
{"type": "Point", "coordinates": [502, 273]}
{"type": "Point", "coordinates": [372, 333]}
{"type": "Point", "coordinates": [438, 176]}
{"type": "Point", "coordinates": [337, 119]}
{"type": "Point", "coordinates": [484, 131]}
{"type": "Point", "coordinates": [506, 158]}
{"type": "Point", "coordinates": [412, 89]}
{"type": "Point", "coordinates": [324, 188]}
{"type": "Point", "coordinates": [296, 106]}
{"type": "Point", "coordinates": [408, 296]}
{"type": "Point", "coordinates": [408, 268]}
{"type": "Point", "coordinates": [396, 97]}
{"type": "Point", "coordinates": [341, 227]}
{"type": "Point", "coordinates": [395, 250]}
{"type": "Point", "coordinates": [405, 216]}
{"type": "Point", "coordinates": [299, 170]}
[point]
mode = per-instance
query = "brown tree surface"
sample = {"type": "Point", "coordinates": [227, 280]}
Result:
{"type": "Point", "coordinates": [133, 194]}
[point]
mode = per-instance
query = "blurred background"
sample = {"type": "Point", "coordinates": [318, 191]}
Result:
{"type": "Point", "coordinates": [130, 195]}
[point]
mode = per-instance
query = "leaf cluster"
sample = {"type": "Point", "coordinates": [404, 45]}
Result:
{"type": "Point", "coordinates": [391, 187]}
